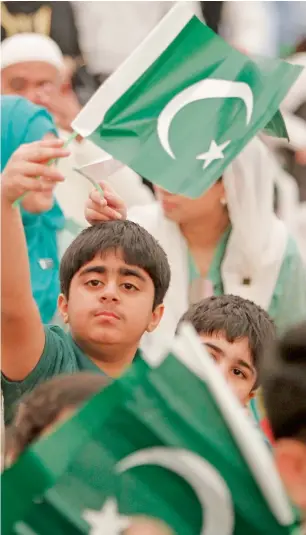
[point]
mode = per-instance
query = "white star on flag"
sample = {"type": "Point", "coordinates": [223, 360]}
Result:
{"type": "Point", "coordinates": [108, 521]}
{"type": "Point", "coordinates": [215, 152]}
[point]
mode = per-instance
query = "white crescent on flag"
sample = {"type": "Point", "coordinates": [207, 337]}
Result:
{"type": "Point", "coordinates": [210, 488]}
{"type": "Point", "coordinates": [208, 88]}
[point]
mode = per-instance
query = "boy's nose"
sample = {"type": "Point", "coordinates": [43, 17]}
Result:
{"type": "Point", "coordinates": [110, 292]}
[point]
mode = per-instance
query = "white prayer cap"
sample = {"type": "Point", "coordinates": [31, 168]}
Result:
{"type": "Point", "coordinates": [23, 47]}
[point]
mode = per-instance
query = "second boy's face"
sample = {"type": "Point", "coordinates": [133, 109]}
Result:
{"type": "Point", "coordinates": [110, 303]}
{"type": "Point", "coordinates": [235, 363]}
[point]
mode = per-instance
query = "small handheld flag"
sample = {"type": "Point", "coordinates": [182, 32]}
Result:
{"type": "Point", "coordinates": [99, 169]}
{"type": "Point", "coordinates": [185, 104]}
{"type": "Point", "coordinates": [168, 441]}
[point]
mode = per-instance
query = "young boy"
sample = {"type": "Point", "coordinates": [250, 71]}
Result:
{"type": "Point", "coordinates": [114, 277]}
{"type": "Point", "coordinates": [235, 332]}
{"type": "Point", "coordinates": [284, 389]}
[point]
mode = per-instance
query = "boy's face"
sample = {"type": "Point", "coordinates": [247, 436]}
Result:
{"type": "Point", "coordinates": [110, 303]}
{"type": "Point", "coordinates": [235, 363]}
{"type": "Point", "coordinates": [290, 458]}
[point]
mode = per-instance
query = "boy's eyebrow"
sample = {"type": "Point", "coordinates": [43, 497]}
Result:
{"type": "Point", "coordinates": [245, 364]}
{"type": "Point", "coordinates": [241, 362]}
{"type": "Point", "coordinates": [215, 348]}
{"type": "Point", "coordinates": [129, 272]}
{"type": "Point", "coordinates": [93, 269]}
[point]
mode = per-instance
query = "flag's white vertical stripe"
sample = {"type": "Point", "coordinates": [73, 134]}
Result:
{"type": "Point", "coordinates": [135, 65]}
{"type": "Point", "coordinates": [254, 450]}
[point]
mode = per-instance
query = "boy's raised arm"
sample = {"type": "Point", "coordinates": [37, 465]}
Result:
{"type": "Point", "coordinates": [22, 331]}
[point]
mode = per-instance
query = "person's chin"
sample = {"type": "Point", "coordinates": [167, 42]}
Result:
{"type": "Point", "coordinates": [107, 335]}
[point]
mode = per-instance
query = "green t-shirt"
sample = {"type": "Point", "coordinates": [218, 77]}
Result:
{"type": "Point", "coordinates": [60, 355]}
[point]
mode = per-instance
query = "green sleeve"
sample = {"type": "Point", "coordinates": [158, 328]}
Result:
{"type": "Point", "coordinates": [57, 357]}
{"type": "Point", "coordinates": [288, 305]}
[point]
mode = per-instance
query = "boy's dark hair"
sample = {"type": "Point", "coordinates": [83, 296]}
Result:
{"type": "Point", "coordinates": [41, 407]}
{"type": "Point", "coordinates": [283, 375]}
{"type": "Point", "coordinates": [139, 248]}
{"type": "Point", "coordinates": [235, 318]}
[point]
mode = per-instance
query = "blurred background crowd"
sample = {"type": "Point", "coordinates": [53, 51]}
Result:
{"type": "Point", "coordinates": [57, 54]}
{"type": "Point", "coordinates": [94, 38]}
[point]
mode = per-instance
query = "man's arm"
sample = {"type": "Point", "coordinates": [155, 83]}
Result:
{"type": "Point", "coordinates": [22, 331]}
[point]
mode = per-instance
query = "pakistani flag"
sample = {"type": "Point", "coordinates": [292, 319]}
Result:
{"type": "Point", "coordinates": [184, 104]}
{"type": "Point", "coordinates": [167, 441]}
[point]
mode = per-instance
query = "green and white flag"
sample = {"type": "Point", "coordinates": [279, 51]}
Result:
{"type": "Point", "coordinates": [168, 441]}
{"type": "Point", "coordinates": [184, 104]}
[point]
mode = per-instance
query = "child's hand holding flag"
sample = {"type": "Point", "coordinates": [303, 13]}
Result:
{"type": "Point", "coordinates": [107, 208]}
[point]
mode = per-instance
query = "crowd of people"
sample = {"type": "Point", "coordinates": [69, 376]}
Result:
{"type": "Point", "coordinates": [92, 282]}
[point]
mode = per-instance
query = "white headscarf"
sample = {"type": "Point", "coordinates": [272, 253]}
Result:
{"type": "Point", "coordinates": [257, 244]}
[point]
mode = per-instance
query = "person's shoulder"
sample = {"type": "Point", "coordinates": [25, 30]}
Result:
{"type": "Point", "coordinates": [15, 103]}
{"type": "Point", "coordinates": [57, 333]}
{"type": "Point", "coordinates": [10, 101]}
{"type": "Point", "coordinates": [58, 344]}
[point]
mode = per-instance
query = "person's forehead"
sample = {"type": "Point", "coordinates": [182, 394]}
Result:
{"type": "Point", "coordinates": [238, 349]}
{"type": "Point", "coordinates": [31, 70]}
{"type": "Point", "coordinates": [112, 260]}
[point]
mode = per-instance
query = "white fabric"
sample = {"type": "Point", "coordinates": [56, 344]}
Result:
{"type": "Point", "coordinates": [299, 229]}
{"type": "Point", "coordinates": [297, 94]}
{"type": "Point", "coordinates": [110, 31]}
{"type": "Point", "coordinates": [288, 198]}
{"type": "Point", "coordinates": [255, 249]}
{"type": "Point", "coordinates": [73, 192]}
{"type": "Point", "coordinates": [258, 240]}
{"type": "Point", "coordinates": [24, 47]}
{"type": "Point", "coordinates": [246, 26]}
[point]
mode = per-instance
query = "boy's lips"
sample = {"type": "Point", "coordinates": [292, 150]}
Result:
{"type": "Point", "coordinates": [107, 314]}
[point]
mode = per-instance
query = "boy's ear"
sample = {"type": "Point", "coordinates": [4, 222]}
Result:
{"type": "Point", "coordinates": [62, 304]}
{"type": "Point", "coordinates": [157, 315]}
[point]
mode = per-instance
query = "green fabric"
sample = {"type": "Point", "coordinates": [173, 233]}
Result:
{"type": "Point", "coordinates": [22, 122]}
{"type": "Point", "coordinates": [168, 418]}
{"type": "Point", "coordinates": [218, 100]}
{"type": "Point", "coordinates": [61, 354]}
{"type": "Point", "coordinates": [288, 303]}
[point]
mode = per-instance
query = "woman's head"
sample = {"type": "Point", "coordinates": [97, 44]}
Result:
{"type": "Point", "coordinates": [49, 404]}
{"type": "Point", "coordinates": [22, 122]}
{"type": "Point", "coordinates": [182, 210]}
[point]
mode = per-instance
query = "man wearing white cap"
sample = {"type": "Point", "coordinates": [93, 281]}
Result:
{"type": "Point", "coordinates": [32, 66]}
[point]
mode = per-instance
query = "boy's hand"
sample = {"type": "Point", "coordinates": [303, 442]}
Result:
{"type": "Point", "coordinates": [107, 208]}
{"type": "Point", "coordinates": [29, 162]}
